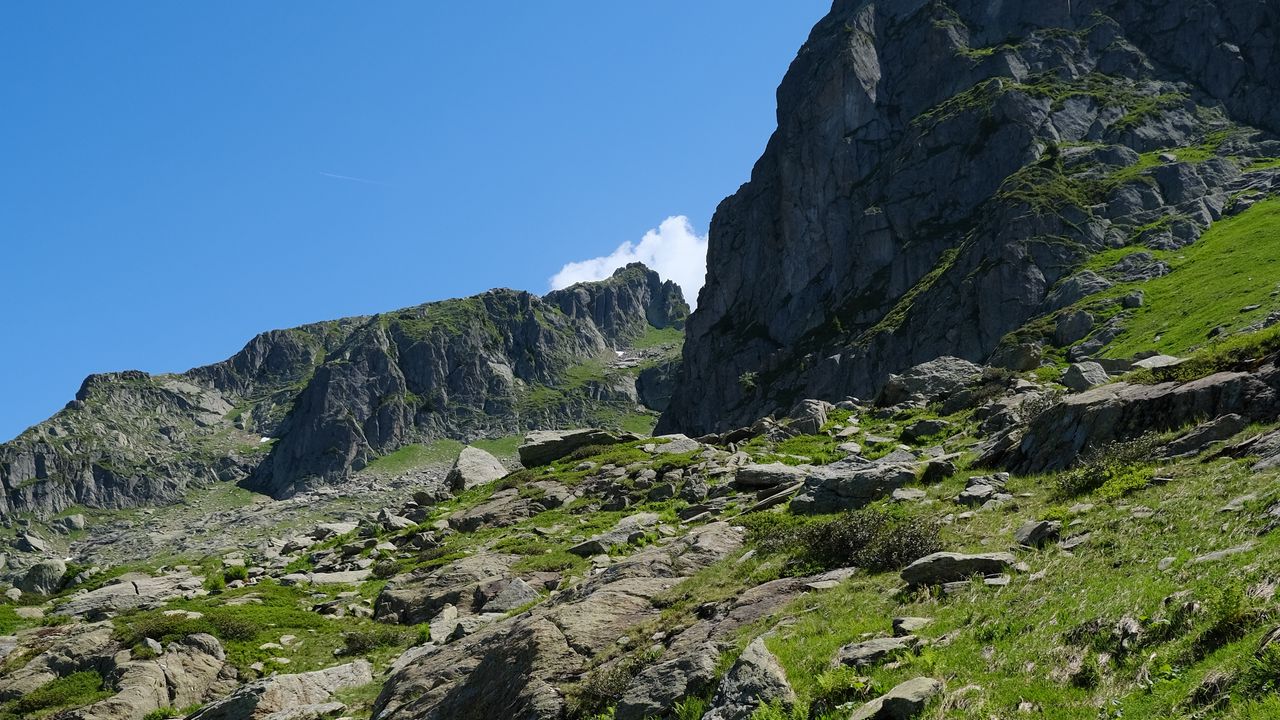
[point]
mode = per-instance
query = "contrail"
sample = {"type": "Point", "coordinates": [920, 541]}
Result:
{"type": "Point", "coordinates": [353, 179]}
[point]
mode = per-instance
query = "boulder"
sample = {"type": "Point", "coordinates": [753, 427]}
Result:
{"type": "Point", "coordinates": [929, 382]}
{"type": "Point", "coordinates": [474, 467]}
{"type": "Point", "coordinates": [660, 686]}
{"type": "Point", "coordinates": [187, 672]}
{"type": "Point", "coordinates": [1206, 434]}
{"type": "Point", "coordinates": [772, 475]}
{"type": "Point", "coordinates": [1083, 375]}
{"type": "Point", "coordinates": [756, 679]}
{"type": "Point", "coordinates": [906, 700]}
{"type": "Point", "coordinates": [848, 485]}
{"type": "Point", "coordinates": [514, 593]}
{"type": "Point", "coordinates": [262, 698]}
{"type": "Point", "coordinates": [808, 416]}
{"type": "Point", "coordinates": [870, 652]}
{"type": "Point", "coordinates": [628, 529]}
{"type": "Point", "coordinates": [945, 567]}
{"type": "Point", "coordinates": [1072, 326]}
{"type": "Point", "coordinates": [43, 578]}
{"type": "Point", "coordinates": [921, 429]}
{"type": "Point", "coordinates": [546, 446]}
{"type": "Point", "coordinates": [1035, 533]}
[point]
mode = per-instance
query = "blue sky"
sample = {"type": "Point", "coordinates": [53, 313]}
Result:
{"type": "Point", "coordinates": [176, 177]}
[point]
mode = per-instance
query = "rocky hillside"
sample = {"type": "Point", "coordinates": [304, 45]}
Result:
{"type": "Point", "coordinates": [316, 403]}
{"type": "Point", "coordinates": [988, 181]}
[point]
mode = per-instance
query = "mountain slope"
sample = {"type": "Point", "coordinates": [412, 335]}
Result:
{"type": "Point", "coordinates": [941, 173]}
{"type": "Point", "coordinates": [335, 395]}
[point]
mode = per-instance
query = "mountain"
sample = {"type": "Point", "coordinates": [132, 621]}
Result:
{"type": "Point", "coordinates": [979, 413]}
{"type": "Point", "coordinates": [314, 404]}
{"type": "Point", "coordinates": [956, 178]}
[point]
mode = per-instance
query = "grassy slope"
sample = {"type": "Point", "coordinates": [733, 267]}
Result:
{"type": "Point", "coordinates": [1234, 265]}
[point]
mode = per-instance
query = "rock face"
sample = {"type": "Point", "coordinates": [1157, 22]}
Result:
{"type": "Point", "coordinates": [1122, 411]}
{"type": "Point", "coordinates": [754, 680]}
{"type": "Point", "coordinates": [338, 394]}
{"type": "Point", "coordinates": [280, 693]}
{"type": "Point", "coordinates": [904, 209]}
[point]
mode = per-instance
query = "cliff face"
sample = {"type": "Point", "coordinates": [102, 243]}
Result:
{"type": "Point", "coordinates": [942, 169]}
{"type": "Point", "coordinates": [335, 395]}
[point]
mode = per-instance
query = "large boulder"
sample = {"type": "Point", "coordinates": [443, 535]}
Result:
{"type": "Point", "coordinates": [848, 485]}
{"type": "Point", "coordinates": [43, 578]}
{"type": "Point", "coordinates": [945, 567]}
{"type": "Point", "coordinates": [185, 674]}
{"type": "Point", "coordinates": [905, 701]}
{"type": "Point", "coordinates": [547, 446]}
{"type": "Point", "coordinates": [929, 382]}
{"type": "Point", "coordinates": [279, 693]}
{"type": "Point", "coordinates": [769, 475]}
{"type": "Point", "coordinates": [1206, 434]}
{"type": "Point", "coordinates": [757, 678]}
{"type": "Point", "coordinates": [660, 686]}
{"type": "Point", "coordinates": [474, 467]}
{"type": "Point", "coordinates": [1122, 411]}
{"type": "Point", "coordinates": [1083, 375]}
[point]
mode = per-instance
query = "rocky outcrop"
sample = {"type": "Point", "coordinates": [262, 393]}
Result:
{"type": "Point", "coordinates": [263, 698]}
{"type": "Point", "coordinates": [493, 364]}
{"type": "Point", "coordinates": [940, 171]}
{"type": "Point", "coordinates": [1123, 411]}
{"type": "Point", "coordinates": [474, 467]}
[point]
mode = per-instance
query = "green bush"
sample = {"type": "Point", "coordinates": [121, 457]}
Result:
{"type": "Point", "coordinates": [362, 642]}
{"type": "Point", "coordinates": [74, 690]}
{"type": "Point", "coordinates": [215, 583]}
{"type": "Point", "coordinates": [235, 572]}
{"type": "Point", "coordinates": [1120, 467]}
{"type": "Point", "coordinates": [872, 539]}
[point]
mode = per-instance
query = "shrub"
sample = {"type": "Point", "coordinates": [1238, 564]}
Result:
{"type": "Point", "coordinates": [872, 539]}
{"type": "Point", "coordinates": [215, 583]}
{"type": "Point", "coordinates": [229, 626]}
{"type": "Point", "coordinates": [603, 687]}
{"type": "Point", "coordinates": [1123, 464]}
{"type": "Point", "coordinates": [384, 569]}
{"type": "Point", "coordinates": [362, 642]}
{"type": "Point", "coordinates": [73, 690]}
{"type": "Point", "coordinates": [235, 572]}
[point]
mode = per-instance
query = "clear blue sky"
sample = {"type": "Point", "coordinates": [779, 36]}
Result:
{"type": "Point", "coordinates": [167, 169]}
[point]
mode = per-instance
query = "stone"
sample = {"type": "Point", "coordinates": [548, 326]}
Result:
{"type": "Point", "coordinates": [1083, 375]}
{"type": "Point", "coordinates": [906, 700]}
{"type": "Point", "coordinates": [474, 467]}
{"type": "Point", "coordinates": [876, 650]}
{"type": "Point", "coordinates": [546, 446]}
{"type": "Point", "coordinates": [1205, 434]}
{"type": "Point", "coordinates": [660, 686]}
{"type": "Point", "coordinates": [909, 495]}
{"type": "Point", "coordinates": [903, 626]}
{"type": "Point", "coordinates": [944, 567]}
{"type": "Point", "coordinates": [809, 416]}
{"type": "Point", "coordinates": [772, 475]}
{"type": "Point", "coordinates": [43, 578]}
{"type": "Point", "coordinates": [264, 698]}
{"type": "Point", "coordinates": [1035, 533]}
{"type": "Point", "coordinates": [756, 679]}
{"type": "Point", "coordinates": [1071, 327]}
{"type": "Point", "coordinates": [929, 382]}
{"type": "Point", "coordinates": [847, 485]}
{"type": "Point", "coordinates": [924, 428]}
{"type": "Point", "coordinates": [516, 594]}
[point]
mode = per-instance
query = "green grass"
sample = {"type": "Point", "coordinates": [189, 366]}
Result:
{"type": "Point", "coordinates": [1264, 164]}
{"type": "Point", "coordinates": [1236, 263]}
{"type": "Point", "coordinates": [411, 457]}
{"type": "Point", "coordinates": [74, 690]}
{"type": "Point", "coordinates": [504, 447]}
{"type": "Point", "coordinates": [655, 338]}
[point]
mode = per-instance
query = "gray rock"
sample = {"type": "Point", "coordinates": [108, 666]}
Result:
{"type": "Point", "coordinates": [1035, 533]}
{"type": "Point", "coordinates": [808, 416]}
{"type": "Point", "coordinates": [871, 652]}
{"type": "Point", "coordinates": [772, 475]}
{"type": "Point", "coordinates": [1205, 434]}
{"type": "Point", "coordinates": [546, 446]}
{"type": "Point", "coordinates": [516, 594]}
{"type": "Point", "coordinates": [944, 567]}
{"type": "Point", "coordinates": [929, 382]}
{"type": "Point", "coordinates": [43, 578]}
{"type": "Point", "coordinates": [921, 429]}
{"type": "Point", "coordinates": [906, 700]}
{"type": "Point", "coordinates": [754, 680]}
{"type": "Point", "coordinates": [1084, 375]}
{"type": "Point", "coordinates": [474, 467]}
{"type": "Point", "coordinates": [903, 626]}
{"type": "Point", "coordinates": [261, 699]}
{"type": "Point", "coordinates": [1072, 326]}
{"type": "Point", "coordinates": [849, 485]}
{"type": "Point", "coordinates": [660, 686]}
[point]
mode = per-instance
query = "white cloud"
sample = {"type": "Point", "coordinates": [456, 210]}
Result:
{"type": "Point", "coordinates": [675, 250]}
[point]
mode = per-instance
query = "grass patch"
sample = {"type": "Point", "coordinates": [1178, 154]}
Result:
{"type": "Point", "coordinates": [411, 457]}
{"type": "Point", "coordinates": [1235, 264]}
{"type": "Point", "coordinates": [74, 690]}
